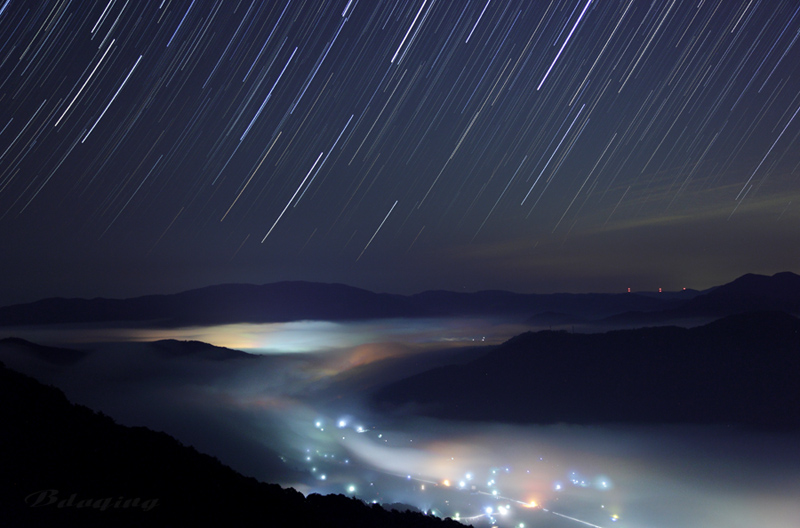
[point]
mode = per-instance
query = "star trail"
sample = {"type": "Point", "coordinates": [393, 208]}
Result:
{"type": "Point", "coordinates": [561, 145]}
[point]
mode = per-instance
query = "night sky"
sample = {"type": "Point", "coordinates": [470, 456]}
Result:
{"type": "Point", "coordinates": [565, 145]}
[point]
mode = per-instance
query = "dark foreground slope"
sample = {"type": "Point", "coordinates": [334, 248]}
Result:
{"type": "Point", "coordinates": [742, 369]}
{"type": "Point", "coordinates": [64, 465]}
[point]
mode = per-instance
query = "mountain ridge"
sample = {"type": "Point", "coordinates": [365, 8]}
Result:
{"type": "Point", "coordinates": [750, 292]}
{"type": "Point", "coordinates": [741, 369]}
{"type": "Point", "coordinates": [302, 300]}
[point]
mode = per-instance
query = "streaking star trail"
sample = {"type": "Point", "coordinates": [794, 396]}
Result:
{"type": "Point", "coordinates": [515, 139]}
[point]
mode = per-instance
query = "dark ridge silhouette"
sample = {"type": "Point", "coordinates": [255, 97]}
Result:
{"type": "Point", "coordinates": [503, 303]}
{"type": "Point", "coordinates": [295, 301]}
{"type": "Point", "coordinates": [54, 355]}
{"type": "Point", "coordinates": [197, 349]}
{"type": "Point", "coordinates": [748, 293]}
{"type": "Point", "coordinates": [553, 319]}
{"type": "Point", "coordinates": [399, 506]}
{"type": "Point", "coordinates": [742, 369]}
{"type": "Point", "coordinates": [64, 465]}
{"type": "Point", "coordinates": [222, 304]}
{"type": "Point", "coordinates": [681, 295]}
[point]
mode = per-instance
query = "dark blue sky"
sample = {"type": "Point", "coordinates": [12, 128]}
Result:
{"type": "Point", "coordinates": [151, 147]}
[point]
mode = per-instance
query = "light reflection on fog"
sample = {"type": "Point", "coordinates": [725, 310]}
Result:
{"type": "Point", "coordinates": [290, 337]}
{"type": "Point", "coordinates": [302, 403]}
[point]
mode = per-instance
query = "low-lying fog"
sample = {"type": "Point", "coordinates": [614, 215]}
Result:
{"type": "Point", "coordinates": [300, 419]}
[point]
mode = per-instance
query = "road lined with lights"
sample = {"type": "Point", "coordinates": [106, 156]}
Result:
{"type": "Point", "coordinates": [431, 488]}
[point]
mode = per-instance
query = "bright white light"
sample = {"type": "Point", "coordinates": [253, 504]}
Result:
{"type": "Point", "coordinates": [342, 423]}
{"type": "Point", "coordinates": [603, 482]}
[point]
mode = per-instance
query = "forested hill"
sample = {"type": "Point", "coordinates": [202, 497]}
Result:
{"type": "Point", "coordinates": [64, 465]}
{"type": "Point", "coordinates": [742, 369]}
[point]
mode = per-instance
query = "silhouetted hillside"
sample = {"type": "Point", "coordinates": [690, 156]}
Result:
{"type": "Point", "coordinates": [492, 302]}
{"type": "Point", "coordinates": [64, 465]}
{"type": "Point", "coordinates": [553, 319]}
{"type": "Point", "coordinates": [55, 355]}
{"type": "Point", "coordinates": [742, 369]}
{"type": "Point", "coordinates": [222, 304]}
{"type": "Point", "coordinates": [198, 349]}
{"type": "Point", "coordinates": [748, 293]}
{"type": "Point", "coordinates": [295, 301]}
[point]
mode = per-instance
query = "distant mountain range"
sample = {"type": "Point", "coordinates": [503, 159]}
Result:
{"type": "Point", "coordinates": [293, 301]}
{"type": "Point", "coordinates": [780, 292]}
{"type": "Point", "coordinates": [64, 465]}
{"type": "Point", "coordinates": [741, 369]}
